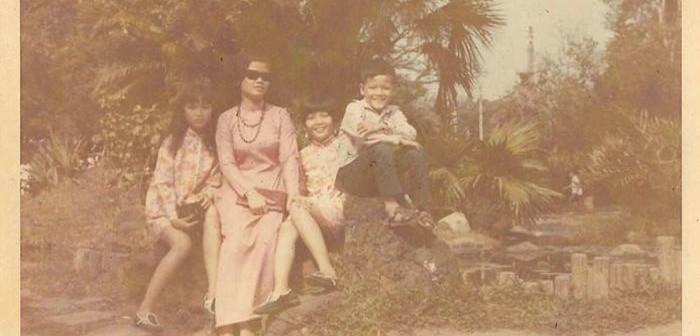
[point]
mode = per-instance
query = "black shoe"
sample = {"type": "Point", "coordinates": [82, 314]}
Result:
{"type": "Point", "coordinates": [322, 280]}
{"type": "Point", "coordinates": [148, 322]}
{"type": "Point", "coordinates": [273, 306]}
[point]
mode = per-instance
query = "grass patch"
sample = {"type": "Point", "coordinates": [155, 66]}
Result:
{"type": "Point", "coordinates": [368, 309]}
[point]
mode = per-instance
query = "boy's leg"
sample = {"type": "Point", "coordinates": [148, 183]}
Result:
{"type": "Point", "coordinates": [416, 163]}
{"type": "Point", "coordinates": [372, 173]}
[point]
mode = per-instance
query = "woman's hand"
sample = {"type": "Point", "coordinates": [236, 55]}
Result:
{"type": "Point", "coordinates": [203, 200]}
{"type": "Point", "coordinates": [256, 202]}
{"type": "Point", "coordinates": [184, 223]}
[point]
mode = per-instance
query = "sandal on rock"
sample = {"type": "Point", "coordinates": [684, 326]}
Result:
{"type": "Point", "coordinates": [148, 322]}
{"type": "Point", "coordinates": [275, 305]}
{"type": "Point", "coordinates": [425, 219]}
{"type": "Point", "coordinates": [209, 304]}
{"type": "Point", "coordinates": [400, 217]}
{"type": "Point", "coordinates": [322, 280]}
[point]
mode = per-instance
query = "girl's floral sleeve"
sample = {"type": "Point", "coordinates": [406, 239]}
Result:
{"type": "Point", "coordinates": [161, 200]}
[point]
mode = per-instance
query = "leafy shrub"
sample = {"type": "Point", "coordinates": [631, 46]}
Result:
{"type": "Point", "coordinates": [641, 169]}
{"type": "Point", "coordinates": [56, 157]}
{"type": "Point", "coordinates": [507, 171]}
{"type": "Point", "coordinates": [130, 140]}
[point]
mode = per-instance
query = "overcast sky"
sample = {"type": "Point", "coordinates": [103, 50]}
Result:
{"type": "Point", "coordinates": [550, 21]}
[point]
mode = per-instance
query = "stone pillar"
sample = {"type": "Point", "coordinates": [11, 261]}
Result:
{"type": "Point", "coordinates": [678, 266]}
{"type": "Point", "coordinates": [654, 274]}
{"type": "Point", "coordinates": [531, 287]}
{"type": "Point", "coordinates": [562, 286]}
{"type": "Point", "coordinates": [616, 279]}
{"type": "Point", "coordinates": [506, 278]}
{"type": "Point", "coordinates": [642, 274]}
{"type": "Point", "coordinates": [629, 276]}
{"type": "Point", "coordinates": [547, 286]}
{"type": "Point", "coordinates": [599, 278]}
{"type": "Point", "coordinates": [666, 263]}
{"type": "Point", "coordinates": [579, 273]}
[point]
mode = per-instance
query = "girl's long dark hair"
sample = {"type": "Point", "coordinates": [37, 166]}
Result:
{"type": "Point", "coordinates": [194, 90]}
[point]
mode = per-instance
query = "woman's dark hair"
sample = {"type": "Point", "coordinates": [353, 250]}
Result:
{"type": "Point", "coordinates": [243, 61]}
{"type": "Point", "coordinates": [319, 103]}
{"type": "Point", "coordinates": [191, 90]}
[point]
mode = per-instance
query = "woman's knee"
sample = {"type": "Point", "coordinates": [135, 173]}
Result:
{"type": "Point", "coordinates": [288, 231]}
{"type": "Point", "coordinates": [211, 219]}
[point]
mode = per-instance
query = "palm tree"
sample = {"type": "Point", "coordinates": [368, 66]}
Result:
{"type": "Point", "coordinates": [506, 168]}
{"type": "Point", "coordinates": [438, 42]}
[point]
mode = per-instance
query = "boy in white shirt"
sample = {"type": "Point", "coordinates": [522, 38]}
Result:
{"type": "Point", "coordinates": [380, 142]}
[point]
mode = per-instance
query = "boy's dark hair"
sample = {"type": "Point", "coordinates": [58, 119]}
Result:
{"type": "Point", "coordinates": [319, 103]}
{"type": "Point", "coordinates": [376, 67]}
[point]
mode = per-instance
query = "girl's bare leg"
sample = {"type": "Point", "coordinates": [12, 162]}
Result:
{"type": "Point", "coordinates": [284, 257]}
{"type": "Point", "coordinates": [228, 330]}
{"type": "Point", "coordinates": [248, 328]}
{"type": "Point", "coordinates": [180, 245]}
{"type": "Point", "coordinates": [211, 241]}
{"type": "Point", "coordinates": [308, 228]}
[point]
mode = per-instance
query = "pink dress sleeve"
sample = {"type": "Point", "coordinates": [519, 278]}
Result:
{"type": "Point", "coordinates": [161, 200]}
{"type": "Point", "coordinates": [289, 154]}
{"type": "Point", "coordinates": [227, 158]}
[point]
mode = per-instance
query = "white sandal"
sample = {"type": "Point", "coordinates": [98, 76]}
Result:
{"type": "Point", "coordinates": [209, 301]}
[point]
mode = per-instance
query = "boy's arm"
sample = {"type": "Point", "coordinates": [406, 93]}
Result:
{"type": "Point", "coordinates": [351, 121]}
{"type": "Point", "coordinates": [398, 125]}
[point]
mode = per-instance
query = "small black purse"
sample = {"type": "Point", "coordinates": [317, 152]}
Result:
{"type": "Point", "coordinates": [194, 209]}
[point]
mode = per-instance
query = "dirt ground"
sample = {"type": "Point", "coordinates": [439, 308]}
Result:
{"type": "Point", "coordinates": [58, 300]}
{"type": "Point", "coordinates": [672, 329]}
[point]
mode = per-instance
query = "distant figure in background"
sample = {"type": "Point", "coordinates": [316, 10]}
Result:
{"type": "Point", "coordinates": [576, 187]}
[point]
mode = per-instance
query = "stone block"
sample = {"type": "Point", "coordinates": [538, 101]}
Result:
{"type": "Point", "coordinates": [506, 278]}
{"type": "Point", "coordinates": [579, 275]}
{"type": "Point", "coordinates": [456, 222]}
{"type": "Point", "coordinates": [665, 256]}
{"type": "Point", "coordinates": [562, 286]}
{"type": "Point", "coordinates": [547, 287]}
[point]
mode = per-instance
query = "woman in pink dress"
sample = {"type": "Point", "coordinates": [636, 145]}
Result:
{"type": "Point", "coordinates": [257, 148]}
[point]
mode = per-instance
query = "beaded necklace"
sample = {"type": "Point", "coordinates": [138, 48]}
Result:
{"type": "Point", "coordinates": [258, 125]}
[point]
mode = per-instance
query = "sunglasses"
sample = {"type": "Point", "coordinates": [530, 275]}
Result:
{"type": "Point", "coordinates": [254, 75]}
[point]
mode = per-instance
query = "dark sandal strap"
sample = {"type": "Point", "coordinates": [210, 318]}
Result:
{"type": "Point", "coordinates": [406, 215]}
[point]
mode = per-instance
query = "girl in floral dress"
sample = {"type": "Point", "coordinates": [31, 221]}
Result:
{"type": "Point", "coordinates": [185, 173]}
{"type": "Point", "coordinates": [323, 207]}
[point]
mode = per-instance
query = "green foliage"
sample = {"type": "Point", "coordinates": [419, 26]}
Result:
{"type": "Point", "coordinates": [644, 58]}
{"type": "Point", "coordinates": [507, 168]}
{"type": "Point", "coordinates": [641, 168]}
{"type": "Point", "coordinates": [131, 140]}
{"type": "Point", "coordinates": [54, 158]}
{"type": "Point", "coordinates": [110, 57]}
